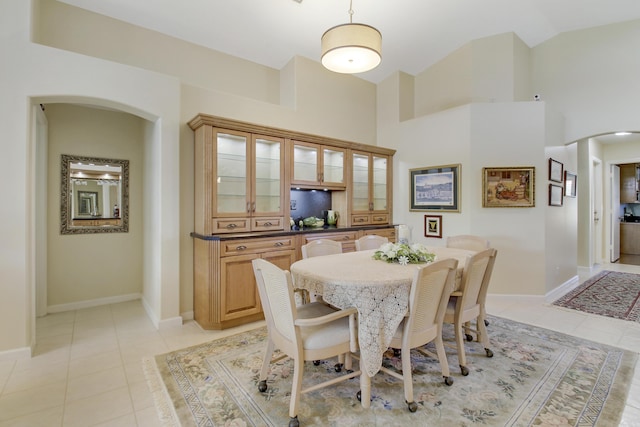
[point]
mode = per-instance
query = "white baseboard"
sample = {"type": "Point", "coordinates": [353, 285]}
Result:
{"type": "Point", "coordinates": [187, 315]}
{"type": "Point", "coordinates": [534, 299]}
{"type": "Point", "coordinates": [15, 353]}
{"type": "Point", "coordinates": [59, 308]}
{"type": "Point", "coordinates": [562, 290]}
{"type": "Point", "coordinates": [549, 297]}
{"type": "Point", "coordinates": [161, 324]}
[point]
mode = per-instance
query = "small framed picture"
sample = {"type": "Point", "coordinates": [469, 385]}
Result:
{"type": "Point", "coordinates": [570, 184]}
{"type": "Point", "coordinates": [555, 195]}
{"type": "Point", "coordinates": [433, 226]}
{"type": "Point", "coordinates": [555, 170]}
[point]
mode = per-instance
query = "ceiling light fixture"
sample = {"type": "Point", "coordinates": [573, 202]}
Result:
{"type": "Point", "coordinates": [351, 48]}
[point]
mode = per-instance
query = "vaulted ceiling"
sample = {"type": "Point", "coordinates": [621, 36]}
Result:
{"type": "Point", "coordinates": [415, 33]}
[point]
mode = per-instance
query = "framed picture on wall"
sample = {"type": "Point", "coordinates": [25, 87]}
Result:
{"type": "Point", "coordinates": [508, 187]}
{"type": "Point", "coordinates": [433, 226]}
{"type": "Point", "coordinates": [555, 170]}
{"type": "Point", "coordinates": [435, 188]}
{"type": "Point", "coordinates": [570, 184]}
{"type": "Point", "coordinates": [555, 195]}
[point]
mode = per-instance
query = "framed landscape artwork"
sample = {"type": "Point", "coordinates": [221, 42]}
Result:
{"type": "Point", "coordinates": [508, 187]}
{"type": "Point", "coordinates": [433, 226]}
{"type": "Point", "coordinates": [435, 188]}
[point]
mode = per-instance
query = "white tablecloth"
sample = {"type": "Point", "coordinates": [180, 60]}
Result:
{"type": "Point", "coordinates": [377, 289]}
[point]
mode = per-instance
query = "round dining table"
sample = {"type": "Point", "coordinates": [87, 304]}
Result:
{"type": "Point", "coordinates": [379, 290]}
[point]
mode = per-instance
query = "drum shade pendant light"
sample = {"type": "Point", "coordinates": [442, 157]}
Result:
{"type": "Point", "coordinates": [351, 48]}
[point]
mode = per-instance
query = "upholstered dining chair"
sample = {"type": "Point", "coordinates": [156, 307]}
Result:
{"type": "Point", "coordinates": [321, 247]}
{"type": "Point", "coordinates": [310, 332]}
{"type": "Point", "coordinates": [465, 305]}
{"type": "Point", "coordinates": [370, 241]}
{"type": "Point", "coordinates": [469, 242]}
{"type": "Point", "coordinates": [430, 290]}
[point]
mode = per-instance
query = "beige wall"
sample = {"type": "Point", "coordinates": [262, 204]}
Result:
{"type": "Point", "coordinates": [78, 30]}
{"type": "Point", "coordinates": [591, 77]}
{"type": "Point", "coordinates": [89, 267]}
{"type": "Point", "coordinates": [167, 83]}
{"type": "Point", "coordinates": [491, 69]}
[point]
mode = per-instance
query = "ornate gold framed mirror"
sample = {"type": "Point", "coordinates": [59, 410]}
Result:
{"type": "Point", "coordinates": [94, 195]}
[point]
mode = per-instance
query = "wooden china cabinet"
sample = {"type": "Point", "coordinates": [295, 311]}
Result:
{"type": "Point", "coordinates": [243, 174]}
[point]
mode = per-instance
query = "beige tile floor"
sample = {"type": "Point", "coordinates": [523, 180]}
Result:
{"type": "Point", "coordinates": [87, 368]}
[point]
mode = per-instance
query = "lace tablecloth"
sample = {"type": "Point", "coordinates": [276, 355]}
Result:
{"type": "Point", "coordinates": [377, 289]}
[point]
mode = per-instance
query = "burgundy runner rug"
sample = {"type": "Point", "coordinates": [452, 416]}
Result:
{"type": "Point", "coordinates": [609, 293]}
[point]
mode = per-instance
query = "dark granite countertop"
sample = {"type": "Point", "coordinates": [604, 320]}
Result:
{"type": "Point", "coordinates": [295, 230]}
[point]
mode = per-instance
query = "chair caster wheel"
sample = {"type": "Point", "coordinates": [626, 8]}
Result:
{"type": "Point", "coordinates": [396, 352]}
{"type": "Point", "coordinates": [316, 362]}
{"type": "Point", "coordinates": [469, 337]}
{"type": "Point", "coordinates": [448, 380]}
{"type": "Point", "coordinates": [489, 352]}
{"type": "Point", "coordinates": [293, 422]}
{"type": "Point", "coordinates": [413, 406]}
{"type": "Point", "coordinates": [464, 370]}
{"type": "Point", "coordinates": [338, 367]}
{"type": "Point", "coordinates": [359, 395]}
{"type": "Point", "coordinates": [486, 322]}
{"type": "Point", "coordinates": [262, 386]}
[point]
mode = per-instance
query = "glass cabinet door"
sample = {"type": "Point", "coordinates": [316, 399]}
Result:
{"type": "Point", "coordinates": [333, 167]}
{"type": "Point", "coordinates": [268, 175]}
{"type": "Point", "coordinates": [305, 163]}
{"type": "Point", "coordinates": [232, 183]}
{"type": "Point", "coordinates": [360, 199]}
{"type": "Point", "coordinates": [318, 166]}
{"type": "Point", "coordinates": [379, 183]}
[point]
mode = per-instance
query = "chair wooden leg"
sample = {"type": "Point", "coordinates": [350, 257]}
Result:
{"type": "Point", "coordinates": [407, 379]}
{"type": "Point", "coordinates": [462, 359]}
{"type": "Point", "coordinates": [442, 358]}
{"type": "Point", "coordinates": [265, 364]}
{"type": "Point", "coordinates": [296, 386]}
{"type": "Point", "coordinates": [483, 336]}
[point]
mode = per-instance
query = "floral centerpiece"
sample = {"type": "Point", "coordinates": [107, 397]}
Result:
{"type": "Point", "coordinates": [404, 254]}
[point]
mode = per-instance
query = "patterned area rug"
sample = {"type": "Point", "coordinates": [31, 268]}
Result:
{"type": "Point", "coordinates": [609, 293]}
{"type": "Point", "coordinates": [537, 377]}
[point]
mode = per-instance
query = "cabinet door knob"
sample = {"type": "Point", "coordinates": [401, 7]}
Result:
{"type": "Point", "coordinates": [267, 224]}
{"type": "Point", "coordinates": [241, 248]}
{"type": "Point", "coordinates": [278, 244]}
{"type": "Point", "coordinates": [231, 226]}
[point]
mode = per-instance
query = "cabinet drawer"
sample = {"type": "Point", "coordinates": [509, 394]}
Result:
{"type": "Point", "coordinates": [379, 219]}
{"type": "Point", "coordinates": [229, 225]}
{"type": "Point", "coordinates": [254, 246]}
{"type": "Point", "coordinates": [389, 233]}
{"type": "Point", "coordinates": [267, 224]}
{"type": "Point", "coordinates": [347, 239]}
{"type": "Point", "coordinates": [359, 219]}
{"type": "Point", "coordinates": [339, 237]}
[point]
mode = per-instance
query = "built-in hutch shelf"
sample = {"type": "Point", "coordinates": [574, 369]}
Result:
{"type": "Point", "coordinates": [243, 176]}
